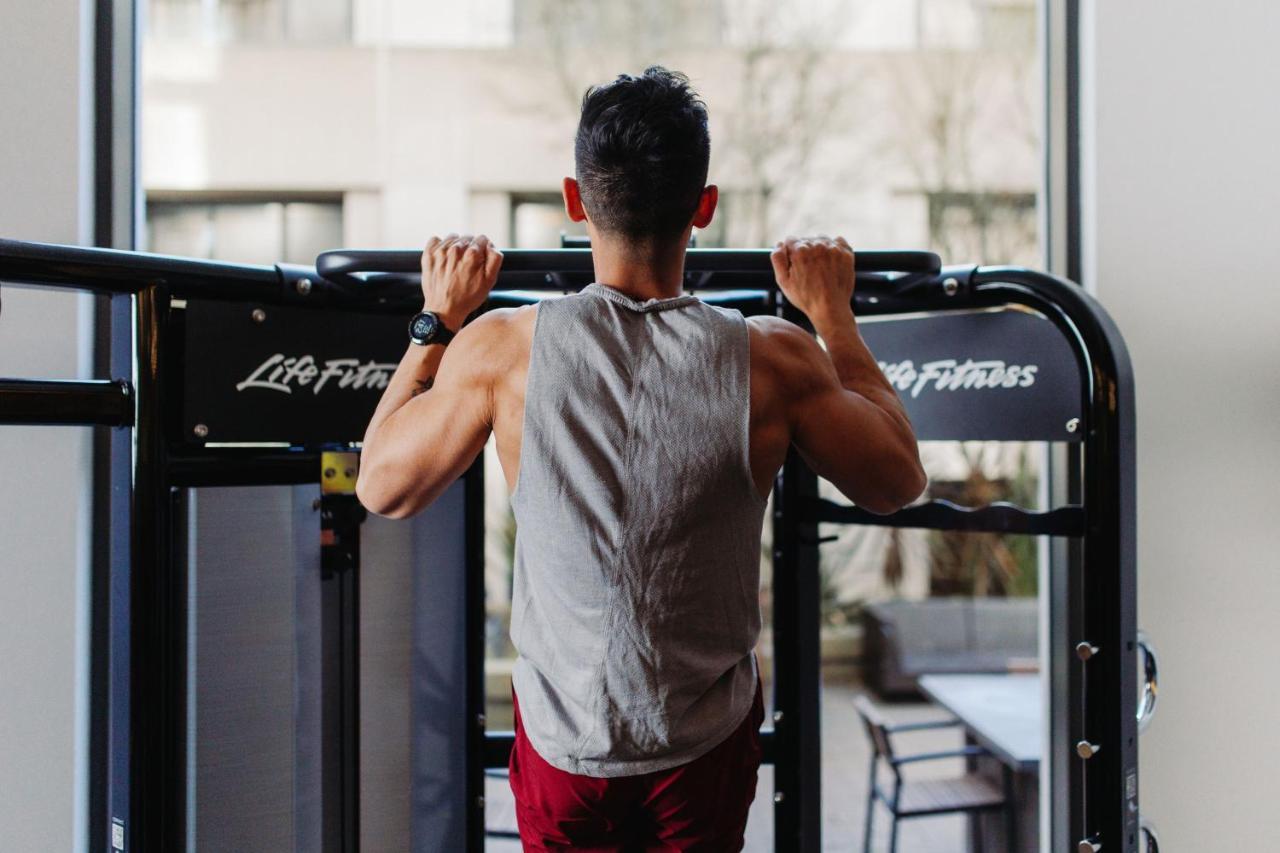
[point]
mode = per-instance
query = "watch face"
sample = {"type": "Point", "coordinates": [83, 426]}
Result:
{"type": "Point", "coordinates": [424, 326]}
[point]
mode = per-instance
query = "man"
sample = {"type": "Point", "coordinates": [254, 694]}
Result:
{"type": "Point", "coordinates": [639, 430]}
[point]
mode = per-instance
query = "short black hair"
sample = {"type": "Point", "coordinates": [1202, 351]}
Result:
{"type": "Point", "coordinates": [642, 152]}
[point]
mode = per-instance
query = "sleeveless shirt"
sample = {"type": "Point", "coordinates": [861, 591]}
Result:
{"type": "Point", "coordinates": [635, 597]}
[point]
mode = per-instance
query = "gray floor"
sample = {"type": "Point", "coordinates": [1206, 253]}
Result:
{"type": "Point", "coordinates": [844, 785]}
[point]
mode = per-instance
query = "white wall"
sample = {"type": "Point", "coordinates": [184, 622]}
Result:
{"type": "Point", "coordinates": [1183, 243]}
{"type": "Point", "coordinates": [44, 160]}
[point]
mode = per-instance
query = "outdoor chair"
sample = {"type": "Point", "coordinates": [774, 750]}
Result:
{"type": "Point", "coordinates": [969, 793]}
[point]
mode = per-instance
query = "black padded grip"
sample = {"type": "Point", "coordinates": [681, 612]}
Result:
{"type": "Point", "coordinates": [380, 268]}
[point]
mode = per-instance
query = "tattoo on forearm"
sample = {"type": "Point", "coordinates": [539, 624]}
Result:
{"type": "Point", "coordinates": [424, 385]}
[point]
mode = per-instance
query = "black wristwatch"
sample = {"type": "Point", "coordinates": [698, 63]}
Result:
{"type": "Point", "coordinates": [428, 328]}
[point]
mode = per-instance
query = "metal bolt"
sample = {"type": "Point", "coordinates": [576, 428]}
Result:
{"type": "Point", "coordinates": [1084, 749]}
{"type": "Point", "coordinates": [777, 716]}
{"type": "Point", "coordinates": [1089, 845]}
{"type": "Point", "coordinates": [480, 802]}
{"type": "Point", "coordinates": [950, 287]}
{"type": "Point", "coordinates": [200, 430]}
{"type": "Point", "coordinates": [303, 286]}
{"type": "Point", "coordinates": [1073, 425]}
{"type": "Point", "coordinates": [548, 278]}
{"type": "Point", "coordinates": [480, 720]}
{"type": "Point", "coordinates": [329, 473]}
{"type": "Point", "coordinates": [349, 472]}
{"type": "Point", "coordinates": [125, 388]}
{"type": "Point", "coordinates": [779, 797]}
{"type": "Point", "coordinates": [258, 315]}
{"type": "Point", "coordinates": [1086, 650]}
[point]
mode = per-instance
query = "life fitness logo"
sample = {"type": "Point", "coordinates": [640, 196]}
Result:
{"type": "Point", "coordinates": [950, 374]}
{"type": "Point", "coordinates": [282, 374]}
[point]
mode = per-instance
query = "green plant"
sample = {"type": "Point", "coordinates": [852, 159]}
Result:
{"type": "Point", "coordinates": [983, 564]}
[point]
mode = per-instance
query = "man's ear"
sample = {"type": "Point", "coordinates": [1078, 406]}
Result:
{"type": "Point", "coordinates": [573, 201]}
{"type": "Point", "coordinates": [706, 206]}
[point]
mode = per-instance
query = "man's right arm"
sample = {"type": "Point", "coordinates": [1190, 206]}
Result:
{"type": "Point", "coordinates": [846, 420]}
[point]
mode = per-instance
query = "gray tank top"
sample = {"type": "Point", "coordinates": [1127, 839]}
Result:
{"type": "Point", "coordinates": [635, 601]}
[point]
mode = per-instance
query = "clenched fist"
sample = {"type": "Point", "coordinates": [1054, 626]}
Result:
{"type": "Point", "coordinates": [815, 273]}
{"type": "Point", "coordinates": [457, 274]}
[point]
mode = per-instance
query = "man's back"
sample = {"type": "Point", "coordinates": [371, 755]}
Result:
{"type": "Point", "coordinates": [635, 605]}
{"type": "Point", "coordinates": [772, 344]}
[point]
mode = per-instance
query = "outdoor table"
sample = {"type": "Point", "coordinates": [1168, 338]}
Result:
{"type": "Point", "coordinates": [1004, 714]}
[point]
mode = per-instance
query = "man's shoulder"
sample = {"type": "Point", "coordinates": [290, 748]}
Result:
{"type": "Point", "coordinates": [496, 340]}
{"type": "Point", "coordinates": [786, 359]}
{"type": "Point", "coordinates": [776, 339]}
{"type": "Point", "coordinates": [498, 325]}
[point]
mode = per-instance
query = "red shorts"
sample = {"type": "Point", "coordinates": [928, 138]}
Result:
{"type": "Point", "coordinates": [701, 805]}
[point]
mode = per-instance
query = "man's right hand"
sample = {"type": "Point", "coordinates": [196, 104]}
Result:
{"type": "Point", "coordinates": [457, 274]}
{"type": "Point", "coordinates": [816, 274]}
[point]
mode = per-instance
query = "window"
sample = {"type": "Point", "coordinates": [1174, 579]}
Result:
{"type": "Point", "coordinates": [262, 232]}
{"type": "Point", "coordinates": [897, 123]}
{"type": "Point", "coordinates": [538, 220]}
{"type": "Point", "coordinates": [994, 227]}
{"type": "Point", "coordinates": [250, 20]}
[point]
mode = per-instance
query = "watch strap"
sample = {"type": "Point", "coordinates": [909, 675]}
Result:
{"type": "Point", "coordinates": [443, 334]}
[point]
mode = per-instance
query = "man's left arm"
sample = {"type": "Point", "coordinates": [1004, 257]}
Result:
{"type": "Point", "coordinates": [436, 413]}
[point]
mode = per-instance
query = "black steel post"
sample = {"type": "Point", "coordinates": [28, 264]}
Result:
{"type": "Point", "coordinates": [1100, 603]}
{"type": "Point", "coordinates": [797, 668]}
{"type": "Point", "coordinates": [340, 518]}
{"type": "Point", "coordinates": [111, 567]}
{"type": "Point", "coordinates": [157, 707]}
{"type": "Point", "coordinates": [797, 675]}
{"type": "Point", "coordinates": [474, 619]}
{"type": "Point", "coordinates": [1106, 599]}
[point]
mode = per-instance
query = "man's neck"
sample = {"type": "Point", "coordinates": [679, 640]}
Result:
{"type": "Point", "coordinates": [642, 276]}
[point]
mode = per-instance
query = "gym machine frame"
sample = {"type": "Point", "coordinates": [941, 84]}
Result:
{"type": "Point", "coordinates": [139, 611]}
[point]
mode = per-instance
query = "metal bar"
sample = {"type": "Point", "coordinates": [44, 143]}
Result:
{"type": "Point", "coordinates": [157, 742]}
{"type": "Point", "coordinates": [358, 268]}
{"type": "Point", "coordinates": [88, 402]}
{"type": "Point", "coordinates": [797, 674]}
{"type": "Point", "coordinates": [1074, 227]}
{"type": "Point", "coordinates": [332, 834]}
{"type": "Point", "coordinates": [341, 516]}
{"type": "Point", "coordinates": [1101, 590]}
{"type": "Point", "coordinates": [797, 654]}
{"type": "Point", "coordinates": [474, 640]}
{"type": "Point", "coordinates": [882, 276]}
{"type": "Point", "coordinates": [349, 610]}
{"type": "Point", "coordinates": [337, 282]}
{"type": "Point", "coordinates": [944, 515]}
{"type": "Point", "coordinates": [112, 572]}
{"type": "Point", "coordinates": [243, 467]}
{"type": "Point", "coordinates": [1071, 824]}
{"type": "Point", "coordinates": [102, 552]}
{"type": "Point", "coordinates": [115, 271]}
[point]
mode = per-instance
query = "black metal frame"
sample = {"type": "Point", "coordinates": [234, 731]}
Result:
{"type": "Point", "coordinates": [1097, 586]}
{"type": "Point", "coordinates": [1100, 604]}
